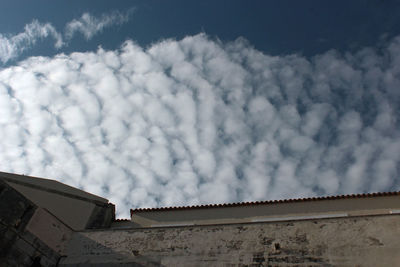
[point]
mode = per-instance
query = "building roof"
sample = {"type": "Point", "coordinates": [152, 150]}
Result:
{"type": "Point", "coordinates": [385, 203]}
{"type": "Point", "coordinates": [74, 207]}
{"type": "Point", "coordinates": [49, 185]}
{"type": "Point", "coordinates": [254, 203]}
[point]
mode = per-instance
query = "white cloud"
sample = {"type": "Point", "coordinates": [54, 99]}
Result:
{"type": "Point", "coordinates": [89, 25]}
{"type": "Point", "coordinates": [198, 121]}
{"type": "Point", "coordinates": [11, 46]}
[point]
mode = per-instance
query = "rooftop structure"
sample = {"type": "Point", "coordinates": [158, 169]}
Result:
{"type": "Point", "coordinates": [270, 211]}
{"type": "Point", "coordinates": [46, 223]}
{"type": "Point", "coordinates": [74, 207]}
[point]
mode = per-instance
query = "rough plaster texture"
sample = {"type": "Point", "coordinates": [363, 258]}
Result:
{"type": "Point", "coordinates": [353, 241]}
{"type": "Point", "coordinates": [49, 230]}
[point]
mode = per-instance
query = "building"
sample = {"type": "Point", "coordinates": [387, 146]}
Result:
{"type": "Point", "coordinates": [47, 223]}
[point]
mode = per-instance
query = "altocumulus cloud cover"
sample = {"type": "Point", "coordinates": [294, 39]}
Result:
{"type": "Point", "coordinates": [198, 120]}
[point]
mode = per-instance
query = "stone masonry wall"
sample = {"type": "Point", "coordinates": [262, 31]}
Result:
{"type": "Point", "coordinates": [353, 241]}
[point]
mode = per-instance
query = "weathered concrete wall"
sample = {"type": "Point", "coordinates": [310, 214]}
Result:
{"type": "Point", "coordinates": [19, 245]}
{"type": "Point", "coordinates": [78, 209]}
{"type": "Point", "coordinates": [30, 234]}
{"type": "Point", "coordinates": [353, 241]}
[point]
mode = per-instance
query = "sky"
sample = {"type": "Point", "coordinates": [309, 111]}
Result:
{"type": "Point", "coordinates": [175, 103]}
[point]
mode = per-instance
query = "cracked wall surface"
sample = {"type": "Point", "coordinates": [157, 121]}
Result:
{"type": "Point", "coordinates": [355, 241]}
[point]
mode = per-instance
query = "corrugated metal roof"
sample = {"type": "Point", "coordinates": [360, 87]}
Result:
{"type": "Point", "coordinates": [366, 195]}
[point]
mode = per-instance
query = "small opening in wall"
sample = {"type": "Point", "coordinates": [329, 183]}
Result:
{"type": "Point", "coordinates": [277, 246]}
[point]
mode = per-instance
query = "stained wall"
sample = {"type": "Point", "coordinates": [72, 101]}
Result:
{"type": "Point", "coordinates": [352, 241]}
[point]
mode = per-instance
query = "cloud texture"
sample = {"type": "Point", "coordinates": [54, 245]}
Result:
{"type": "Point", "coordinates": [89, 25]}
{"type": "Point", "coordinates": [200, 121]}
{"type": "Point", "coordinates": [11, 46]}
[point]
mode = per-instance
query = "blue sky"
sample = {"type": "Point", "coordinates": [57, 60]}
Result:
{"type": "Point", "coordinates": [307, 27]}
{"type": "Point", "coordinates": [165, 103]}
